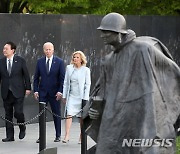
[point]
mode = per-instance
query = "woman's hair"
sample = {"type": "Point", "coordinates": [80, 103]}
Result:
{"type": "Point", "coordinates": [82, 55]}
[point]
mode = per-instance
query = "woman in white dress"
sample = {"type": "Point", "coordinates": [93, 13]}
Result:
{"type": "Point", "coordinates": [76, 88]}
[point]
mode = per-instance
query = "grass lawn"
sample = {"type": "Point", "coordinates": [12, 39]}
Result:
{"type": "Point", "coordinates": [178, 145]}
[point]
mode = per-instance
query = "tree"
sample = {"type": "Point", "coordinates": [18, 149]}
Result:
{"type": "Point", "coordinates": [12, 6]}
{"type": "Point", "coordinates": [98, 7]}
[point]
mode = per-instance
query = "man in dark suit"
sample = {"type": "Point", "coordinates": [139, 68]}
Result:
{"type": "Point", "coordinates": [15, 84]}
{"type": "Point", "coordinates": [48, 83]}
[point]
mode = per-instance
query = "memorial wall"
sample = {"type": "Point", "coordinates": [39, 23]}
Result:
{"type": "Point", "coordinates": [69, 33]}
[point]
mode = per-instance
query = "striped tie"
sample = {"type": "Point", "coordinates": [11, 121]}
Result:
{"type": "Point", "coordinates": [9, 67]}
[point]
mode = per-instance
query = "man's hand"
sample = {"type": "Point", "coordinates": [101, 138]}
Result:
{"type": "Point", "coordinates": [58, 96]}
{"type": "Point", "coordinates": [36, 95]}
{"type": "Point", "coordinates": [93, 114]}
{"type": "Point", "coordinates": [28, 92]}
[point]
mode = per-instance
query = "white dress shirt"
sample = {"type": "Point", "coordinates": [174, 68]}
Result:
{"type": "Point", "coordinates": [11, 61]}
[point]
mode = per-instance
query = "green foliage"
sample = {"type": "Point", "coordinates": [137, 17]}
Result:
{"type": "Point", "coordinates": [178, 145]}
{"type": "Point", "coordinates": [44, 6]}
{"type": "Point", "coordinates": [98, 7]}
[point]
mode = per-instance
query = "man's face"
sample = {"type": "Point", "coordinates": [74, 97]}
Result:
{"type": "Point", "coordinates": [48, 50]}
{"type": "Point", "coordinates": [110, 37]}
{"type": "Point", "coordinates": [7, 51]}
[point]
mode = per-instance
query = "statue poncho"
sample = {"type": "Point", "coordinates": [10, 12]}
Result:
{"type": "Point", "coordinates": [140, 86]}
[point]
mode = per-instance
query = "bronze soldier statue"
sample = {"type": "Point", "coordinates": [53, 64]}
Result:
{"type": "Point", "coordinates": [137, 98]}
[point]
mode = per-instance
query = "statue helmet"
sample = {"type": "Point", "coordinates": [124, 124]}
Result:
{"type": "Point", "coordinates": [113, 22]}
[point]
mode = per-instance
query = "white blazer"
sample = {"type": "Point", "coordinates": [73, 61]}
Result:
{"type": "Point", "coordinates": [84, 80]}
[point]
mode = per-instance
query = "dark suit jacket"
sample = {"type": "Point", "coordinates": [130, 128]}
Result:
{"type": "Point", "coordinates": [52, 82]}
{"type": "Point", "coordinates": [19, 78]}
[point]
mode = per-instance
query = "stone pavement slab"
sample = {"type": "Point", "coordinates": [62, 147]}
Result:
{"type": "Point", "coordinates": [29, 146]}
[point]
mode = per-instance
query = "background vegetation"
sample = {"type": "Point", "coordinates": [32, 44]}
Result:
{"type": "Point", "coordinates": [97, 7]}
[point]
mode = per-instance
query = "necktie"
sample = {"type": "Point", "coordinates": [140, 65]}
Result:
{"type": "Point", "coordinates": [9, 67]}
{"type": "Point", "coordinates": [47, 66]}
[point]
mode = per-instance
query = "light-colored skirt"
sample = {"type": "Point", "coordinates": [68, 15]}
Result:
{"type": "Point", "coordinates": [73, 107]}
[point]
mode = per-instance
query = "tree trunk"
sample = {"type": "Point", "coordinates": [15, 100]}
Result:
{"type": "Point", "coordinates": [4, 6]}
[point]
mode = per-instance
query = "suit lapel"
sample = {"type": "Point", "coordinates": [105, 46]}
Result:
{"type": "Point", "coordinates": [53, 64]}
{"type": "Point", "coordinates": [14, 64]}
{"type": "Point", "coordinates": [71, 70]}
{"type": "Point", "coordinates": [44, 65]}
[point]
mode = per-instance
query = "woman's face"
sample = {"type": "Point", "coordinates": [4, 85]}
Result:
{"type": "Point", "coordinates": [77, 59]}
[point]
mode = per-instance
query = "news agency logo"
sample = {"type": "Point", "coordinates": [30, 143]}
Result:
{"type": "Point", "coordinates": [147, 142]}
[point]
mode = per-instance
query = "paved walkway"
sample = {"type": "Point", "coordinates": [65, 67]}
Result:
{"type": "Point", "coordinates": [29, 146]}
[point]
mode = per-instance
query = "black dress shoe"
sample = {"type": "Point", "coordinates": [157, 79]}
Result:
{"type": "Point", "coordinates": [57, 139]}
{"type": "Point", "coordinates": [22, 133]}
{"type": "Point", "coordinates": [37, 141]}
{"type": "Point", "coordinates": [8, 139]}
